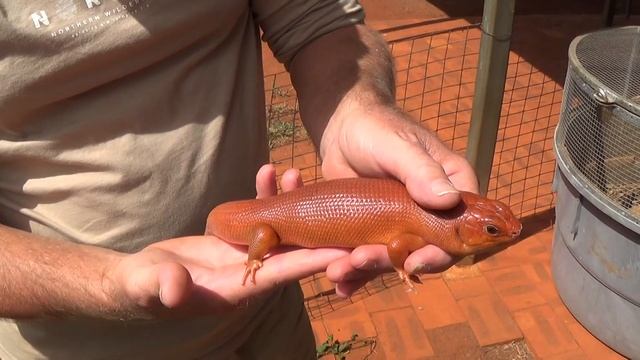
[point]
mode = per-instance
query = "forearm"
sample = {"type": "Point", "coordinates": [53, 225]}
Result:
{"type": "Point", "coordinates": [45, 277]}
{"type": "Point", "coordinates": [349, 67]}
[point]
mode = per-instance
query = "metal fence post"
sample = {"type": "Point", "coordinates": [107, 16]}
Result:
{"type": "Point", "coordinates": [497, 21]}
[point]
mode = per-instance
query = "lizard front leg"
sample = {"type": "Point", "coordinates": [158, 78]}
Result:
{"type": "Point", "coordinates": [399, 249]}
{"type": "Point", "coordinates": [264, 239]}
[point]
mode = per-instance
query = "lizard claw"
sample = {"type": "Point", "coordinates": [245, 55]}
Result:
{"type": "Point", "coordinates": [252, 267]}
{"type": "Point", "coordinates": [409, 279]}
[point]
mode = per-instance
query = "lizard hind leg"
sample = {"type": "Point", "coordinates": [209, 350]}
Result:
{"type": "Point", "coordinates": [399, 249]}
{"type": "Point", "coordinates": [264, 239]}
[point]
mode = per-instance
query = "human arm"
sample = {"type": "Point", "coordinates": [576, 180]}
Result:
{"type": "Point", "coordinates": [41, 276]}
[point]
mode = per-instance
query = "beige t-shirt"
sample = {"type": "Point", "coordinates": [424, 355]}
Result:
{"type": "Point", "coordinates": [123, 123]}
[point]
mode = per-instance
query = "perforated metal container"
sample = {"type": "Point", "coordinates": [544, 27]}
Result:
{"type": "Point", "coordinates": [596, 250]}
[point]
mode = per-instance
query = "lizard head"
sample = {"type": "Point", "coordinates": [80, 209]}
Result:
{"type": "Point", "coordinates": [486, 223]}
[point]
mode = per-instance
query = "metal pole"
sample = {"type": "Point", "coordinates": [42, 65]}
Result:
{"type": "Point", "coordinates": [497, 21]}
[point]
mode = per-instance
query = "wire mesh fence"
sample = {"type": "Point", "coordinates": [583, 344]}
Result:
{"type": "Point", "coordinates": [524, 162]}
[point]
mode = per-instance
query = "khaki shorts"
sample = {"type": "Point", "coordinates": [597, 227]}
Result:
{"type": "Point", "coordinates": [286, 334]}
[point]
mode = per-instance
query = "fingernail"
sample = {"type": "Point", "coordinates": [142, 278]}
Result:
{"type": "Point", "coordinates": [360, 259]}
{"type": "Point", "coordinates": [363, 264]}
{"type": "Point", "coordinates": [160, 296]}
{"type": "Point", "coordinates": [421, 268]}
{"type": "Point", "coordinates": [442, 187]}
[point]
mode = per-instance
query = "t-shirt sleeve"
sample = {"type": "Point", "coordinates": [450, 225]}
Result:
{"type": "Point", "coordinates": [288, 25]}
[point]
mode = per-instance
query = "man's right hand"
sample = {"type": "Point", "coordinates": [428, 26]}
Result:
{"type": "Point", "coordinates": [203, 274]}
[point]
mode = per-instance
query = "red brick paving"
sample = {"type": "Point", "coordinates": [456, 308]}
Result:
{"type": "Point", "coordinates": [434, 304]}
{"type": "Point", "coordinates": [469, 287]}
{"type": "Point", "coordinates": [349, 320]}
{"type": "Point", "coordinates": [463, 311]}
{"type": "Point", "coordinates": [515, 288]}
{"type": "Point", "coordinates": [490, 319]}
{"type": "Point", "coordinates": [544, 331]}
{"type": "Point", "coordinates": [454, 341]}
{"type": "Point", "coordinates": [388, 299]}
{"type": "Point", "coordinates": [401, 334]}
{"type": "Point", "coordinates": [589, 344]}
{"type": "Point", "coordinates": [319, 331]}
{"type": "Point", "coordinates": [577, 354]}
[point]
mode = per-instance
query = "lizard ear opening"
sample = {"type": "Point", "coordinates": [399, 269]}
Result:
{"type": "Point", "coordinates": [464, 238]}
{"type": "Point", "coordinates": [456, 229]}
{"type": "Point", "coordinates": [469, 197]}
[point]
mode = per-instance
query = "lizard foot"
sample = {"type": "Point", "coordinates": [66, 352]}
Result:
{"type": "Point", "coordinates": [409, 280]}
{"type": "Point", "coordinates": [252, 267]}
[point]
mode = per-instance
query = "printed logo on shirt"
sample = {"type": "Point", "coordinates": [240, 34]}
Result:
{"type": "Point", "coordinates": [63, 20]}
{"type": "Point", "coordinates": [66, 9]}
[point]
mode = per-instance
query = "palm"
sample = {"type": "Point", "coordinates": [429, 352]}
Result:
{"type": "Point", "coordinates": [215, 270]}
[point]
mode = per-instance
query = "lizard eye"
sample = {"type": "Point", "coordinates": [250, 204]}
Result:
{"type": "Point", "coordinates": [491, 229]}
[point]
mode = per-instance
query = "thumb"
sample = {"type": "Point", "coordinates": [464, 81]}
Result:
{"type": "Point", "coordinates": [175, 284]}
{"type": "Point", "coordinates": [170, 283]}
{"type": "Point", "coordinates": [411, 161]}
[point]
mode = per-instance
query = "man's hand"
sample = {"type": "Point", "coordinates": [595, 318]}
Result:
{"type": "Point", "coordinates": [384, 142]}
{"type": "Point", "coordinates": [202, 274]}
{"type": "Point", "coordinates": [346, 88]}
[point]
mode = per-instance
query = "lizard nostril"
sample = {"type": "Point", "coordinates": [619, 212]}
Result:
{"type": "Point", "coordinates": [517, 231]}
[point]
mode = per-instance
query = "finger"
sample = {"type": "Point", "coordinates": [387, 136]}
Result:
{"type": "Point", "coordinates": [371, 257]}
{"type": "Point", "coordinates": [427, 260]}
{"type": "Point", "coordinates": [461, 173]}
{"type": "Point", "coordinates": [175, 285]}
{"type": "Point", "coordinates": [298, 264]}
{"type": "Point", "coordinates": [346, 289]}
{"type": "Point", "coordinates": [423, 176]}
{"type": "Point", "coordinates": [266, 184]}
{"type": "Point", "coordinates": [291, 179]}
{"type": "Point", "coordinates": [341, 271]}
{"type": "Point", "coordinates": [167, 283]}
{"type": "Point", "coordinates": [277, 270]}
{"type": "Point", "coordinates": [373, 260]}
{"type": "Point", "coordinates": [430, 186]}
{"type": "Point", "coordinates": [363, 259]}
